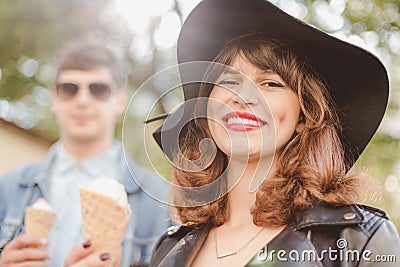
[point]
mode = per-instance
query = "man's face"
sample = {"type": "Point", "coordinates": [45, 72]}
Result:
{"type": "Point", "coordinates": [90, 113]}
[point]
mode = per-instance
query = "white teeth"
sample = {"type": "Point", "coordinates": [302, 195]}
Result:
{"type": "Point", "coordinates": [237, 120]}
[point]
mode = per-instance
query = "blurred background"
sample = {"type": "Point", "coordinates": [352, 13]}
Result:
{"type": "Point", "coordinates": [144, 34]}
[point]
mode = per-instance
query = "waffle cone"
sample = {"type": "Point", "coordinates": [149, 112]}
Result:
{"type": "Point", "coordinates": [104, 222]}
{"type": "Point", "coordinates": [38, 222]}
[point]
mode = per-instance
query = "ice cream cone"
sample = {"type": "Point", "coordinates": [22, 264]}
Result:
{"type": "Point", "coordinates": [38, 222]}
{"type": "Point", "coordinates": [104, 222]}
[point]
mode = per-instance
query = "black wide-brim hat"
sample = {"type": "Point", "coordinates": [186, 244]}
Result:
{"type": "Point", "coordinates": [356, 80]}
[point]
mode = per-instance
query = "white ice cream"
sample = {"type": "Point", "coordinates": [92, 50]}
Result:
{"type": "Point", "coordinates": [111, 188]}
{"type": "Point", "coordinates": [42, 204]}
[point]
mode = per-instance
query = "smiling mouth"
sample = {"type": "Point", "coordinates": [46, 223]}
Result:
{"type": "Point", "coordinates": [243, 121]}
{"type": "Point", "coordinates": [82, 118]}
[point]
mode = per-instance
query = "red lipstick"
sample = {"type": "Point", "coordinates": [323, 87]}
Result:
{"type": "Point", "coordinates": [242, 121]}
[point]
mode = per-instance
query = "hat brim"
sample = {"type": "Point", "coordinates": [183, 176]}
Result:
{"type": "Point", "coordinates": [356, 79]}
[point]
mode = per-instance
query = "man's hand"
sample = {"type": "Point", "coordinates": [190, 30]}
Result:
{"type": "Point", "coordinates": [82, 256]}
{"type": "Point", "coordinates": [25, 250]}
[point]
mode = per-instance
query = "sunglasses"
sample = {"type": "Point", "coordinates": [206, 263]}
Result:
{"type": "Point", "coordinates": [100, 91]}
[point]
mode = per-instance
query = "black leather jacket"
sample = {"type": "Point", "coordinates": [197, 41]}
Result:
{"type": "Point", "coordinates": [324, 235]}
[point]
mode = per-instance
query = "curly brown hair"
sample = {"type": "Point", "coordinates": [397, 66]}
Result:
{"type": "Point", "coordinates": [310, 167]}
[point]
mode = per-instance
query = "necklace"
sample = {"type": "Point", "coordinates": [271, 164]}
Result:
{"type": "Point", "coordinates": [227, 254]}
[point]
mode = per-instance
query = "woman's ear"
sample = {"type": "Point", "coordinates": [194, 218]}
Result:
{"type": "Point", "coordinates": [301, 123]}
{"type": "Point", "coordinates": [300, 127]}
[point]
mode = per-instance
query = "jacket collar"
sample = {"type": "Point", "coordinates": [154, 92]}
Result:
{"type": "Point", "coordinates": [40, 172]}
{"type": "Point", "coordinates": [291, 238]}
{"type": "Point", "coordinates": [184, 252]}
{"type": "Point", "coordinates": [324, 214]}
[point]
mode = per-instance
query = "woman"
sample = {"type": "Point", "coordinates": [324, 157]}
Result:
{"type": "Point", "coordinates": [287, 115]}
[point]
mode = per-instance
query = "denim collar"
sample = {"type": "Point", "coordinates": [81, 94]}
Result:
{"type": "Point", "coordinates": [93, 166]}
{"type": "Point", "coordinates": [39, 174]}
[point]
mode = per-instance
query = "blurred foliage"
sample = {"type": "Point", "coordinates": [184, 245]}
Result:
{"type": "Point", "coordinates": [33, 32]}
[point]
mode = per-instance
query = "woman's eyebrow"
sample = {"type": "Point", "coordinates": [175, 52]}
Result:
{"type": "Point", "coordinates": [231, 71]}
{"type": "Point", "coordinates": [268, 71]}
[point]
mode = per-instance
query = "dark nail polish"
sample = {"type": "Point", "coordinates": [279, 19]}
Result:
{"type": "Point", "coordinates": [87, 244]}
{"type": "Point", "coordinates": [105, 256]}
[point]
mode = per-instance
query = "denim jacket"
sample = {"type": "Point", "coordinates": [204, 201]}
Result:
{"type": "Point", "coordinates": [23, 186]}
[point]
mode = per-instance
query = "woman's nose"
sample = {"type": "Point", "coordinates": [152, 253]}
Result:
{"type": "Point", "coordinates": [247, 94]}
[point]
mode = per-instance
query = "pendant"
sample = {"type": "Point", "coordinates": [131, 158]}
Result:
{"type": "Point", "coordinates": [226, 254]}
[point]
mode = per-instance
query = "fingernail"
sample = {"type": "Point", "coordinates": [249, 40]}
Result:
{"type": "Point", "coordinates": [87, 244]}
{"type": "Point", "coordinates": [105, 256]}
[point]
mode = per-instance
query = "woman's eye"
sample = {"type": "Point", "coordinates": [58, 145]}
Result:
{"type": "Point", "coordinates": [273, 84]}
{"type": "Point", "coordinates": [228, 82]}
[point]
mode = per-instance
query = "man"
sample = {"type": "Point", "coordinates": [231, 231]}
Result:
{"type": "Point", "coordinates": [88, 97]}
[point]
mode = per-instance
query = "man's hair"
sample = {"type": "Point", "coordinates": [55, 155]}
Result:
{"type": "Point", "coordinates": [88, 55]}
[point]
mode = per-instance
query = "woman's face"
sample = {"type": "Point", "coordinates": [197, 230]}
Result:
{"type": "Point", "coordinates": [251, 113]}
